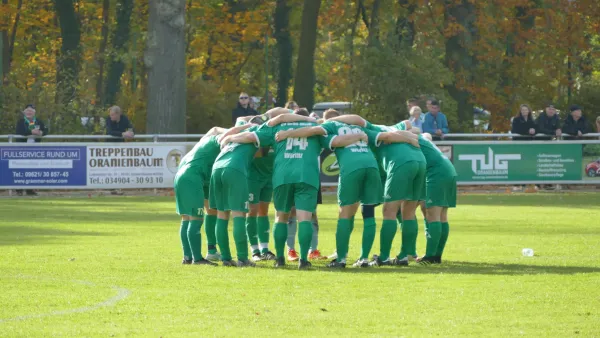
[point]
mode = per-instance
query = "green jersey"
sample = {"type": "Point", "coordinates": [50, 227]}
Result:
{"type": "Point", "coordinates": [437, 163]}
{"type": "Point", "coordinates": [355, 156]}
{"type": "Point", "coordinates": [200, 159]}
{"type": "Point", "coordinates": [237, 156]}
{"type": "Point", "coordinates": [262, 165]}
{"type": "Point", "coordinates": [296, 159]}
{"type": "Point", "coordinates": [394, 155]}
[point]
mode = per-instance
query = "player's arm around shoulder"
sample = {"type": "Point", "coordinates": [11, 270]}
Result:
{"type": "Point", "coordinates": [300, 132]}
{"type": "Point", "coordinates": [289, 118]}
{"type": "Point", "coordinates": [352, 119]}
{"type": "Point", "coordinates": [399, 136]}
{"type": "Point", "coordinates": [348, 139]}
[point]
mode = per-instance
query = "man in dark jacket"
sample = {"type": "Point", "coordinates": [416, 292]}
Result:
{"type": "Point", "coordinates": [243, 108]}
{"type": "Point", "coordinates": [29, 125]}
{"type": "Point", "coordinates": [575, 124]}
{"type": "Point", "coordinates": [548, 122]}
{"type": "Point", "coordinates": [118, 125]}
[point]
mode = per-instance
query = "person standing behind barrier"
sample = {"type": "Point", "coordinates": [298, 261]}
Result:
{"type": "Point", "coordinates": [523, 124]}
{"type": "Point", "coordinates": [33, 128]}
{"type": "Point", "coordinates": [598, 124]}
{"type": "Point", "coordinates": [435, 122]}
{"type": "Point", "coordinates": [118, 125]}
{"type": "Point", "coordinates": [575, 124]}
{"type": "Point", "coordinates": [416, 117]}
{"type": "Point", "coordinates": [548, 122]}
{"type": "Point", "coordinates": [243, 108]}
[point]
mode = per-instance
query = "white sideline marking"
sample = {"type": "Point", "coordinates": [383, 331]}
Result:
{"type": "Point", "coordinates": [122, 293]}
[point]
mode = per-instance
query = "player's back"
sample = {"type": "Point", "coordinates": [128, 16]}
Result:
{"type": "Point", "coordinates": [355, 156]}
{"type": "Point", "coordinates": [297, 159]}
{"type": "Point", "coordinates": [437, 163]}
{"type": "Point", "coordinates": [201, 158]}
{"type": "Point", "coordinates": [394, 155]}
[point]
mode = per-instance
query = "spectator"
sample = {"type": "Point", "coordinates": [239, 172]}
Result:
{"type": "Point", "coordinates": [428, 104]}
{"type": "Point", "coordinates": [575, 124]}
{"type": "Point", "coordinates": [29, 125]}
{"type": "Point", "coordinates": [118, 125]}
{"type": "Point", "coordinates": [523, 124]}
{"type": "Point", "coordinates": [435, 121]}
{"type": "Point", "coordinates": [598, 124]}
{"type": "Point", "coordinates": [548, 122]}
{"type": "Point", "coordinates": [416, 117]}
{"type": "Point", "coordinates": [243, 108]}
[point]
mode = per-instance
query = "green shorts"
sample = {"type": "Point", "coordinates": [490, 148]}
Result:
{"type": "Point", "coordinates": [441, 192]}
{"type": "Point", "coordinates": [362, 185]}
{"type": "Point", "coordinates": [260, 190]}
{"type": "Point", "coordinates": [228, 190]}
{"type": "Point", "coordinates": [190, 192]}
{"type": "Point", "coordinates": [405, 183]}
{"type": "Point", "coordinates": [301, 195]}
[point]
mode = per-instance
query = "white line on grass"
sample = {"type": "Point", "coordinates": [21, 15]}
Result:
{"type": "Point", "coordinates": [122, 293]}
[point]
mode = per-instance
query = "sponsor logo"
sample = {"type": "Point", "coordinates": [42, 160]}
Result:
{"type": "Point", "coordinates": [490, 165]}
{"type": "Point", "coordinates": [330, 165]}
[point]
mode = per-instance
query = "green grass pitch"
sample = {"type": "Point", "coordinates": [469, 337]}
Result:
{"type": "Point", "coordinates": [110, 267]}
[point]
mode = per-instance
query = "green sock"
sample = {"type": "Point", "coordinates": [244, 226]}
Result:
{"type": "Point", "coordinates": [239, 237]}
{"type": "Point", "coordinates": [433, 232]}
{"type": "Point", "coordinates": [351, 224]}
{"type": "Point", "coordinates": [368, 237]}
{"type": "Point", "coordinates": [210, 224]}
{"type": "Point", "coordinates": [195, 238]}
{"type": "Point", "coordinates": [342, 238]}
{"type": "Point", "coordinates": [305, 232]}
{"type": "Point", "coordinates": [409, 238]}
{"type": "Point", "coordinates": [251, 230]}
{"type": "Point", "coordinates": [263, 232]}
{"type": "Point", "coordinates": [223, 239]}
{"type": "Point", "coordinates": [443, 238]}
{"type": "Point", "coordinates": [386, 237]}
{"type": "Point", "coordinates": [280, 234]}
{"type": "Point", "coordinates": [416, 235]}
{"type": "Point", "coordinates": [183, 230]}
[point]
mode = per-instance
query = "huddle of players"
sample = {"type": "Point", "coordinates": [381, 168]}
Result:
{"type": "Point", "coordinates": [377, 164]}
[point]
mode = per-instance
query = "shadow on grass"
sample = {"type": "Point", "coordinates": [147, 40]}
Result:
{"type": "Point", "coordinates": [20, 235]}
{"type": "Point", "coordinates": [459, 268]}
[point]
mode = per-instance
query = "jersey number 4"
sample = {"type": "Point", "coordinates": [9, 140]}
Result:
{"type": "Point", "coordinates": [300, 142]}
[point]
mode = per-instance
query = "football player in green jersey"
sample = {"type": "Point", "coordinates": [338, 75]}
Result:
{"type": "Point", "coordinates": [440, 195]}
{"type": "Point", "coordinates": [260, 178]}
{"type": "Point", "coordinates": [404, 165]}
{"type": "Point", "coordinates": [191, 193]}
{"type": "Point", "coordinates": [359, 179]}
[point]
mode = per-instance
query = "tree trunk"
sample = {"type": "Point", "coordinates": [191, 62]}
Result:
{"type": "Point", "coordinates": [102, 50]}
{"type": "Point", "coordinates": [284, 49]}
{"type": "Point", "coordinates": [304, 87]}
{"type": "Point", "coordinates": [119, 40]}
{"type": "Point", "coordinates": [68, 61]}
{"type": "Point", "coordinates": [459, 56]}
{"type": "Point", "coordinates": [165, 60]}
{"type": "Point", "coordinates": [405, 27]}
{"type": "Point", "coordinates": [373, 37]}
{"type": "Point", "coordinates": [9, 44]}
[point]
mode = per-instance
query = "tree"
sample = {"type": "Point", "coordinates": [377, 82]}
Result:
{"type": "Point", "coordinates": [460, 18]}
{"type": "Point", "coordinates": [304, 87]}
{"type": "Point", "coordinates": [119, 40]}
{"type": "Point", "coordinates": [165, 60]}
{"type": "Point", "coordinates": [284, 50]}
{"type": "Point", "coordinates": [68, 61]}
{"type": "Point", "coordinates": [102, 50]}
